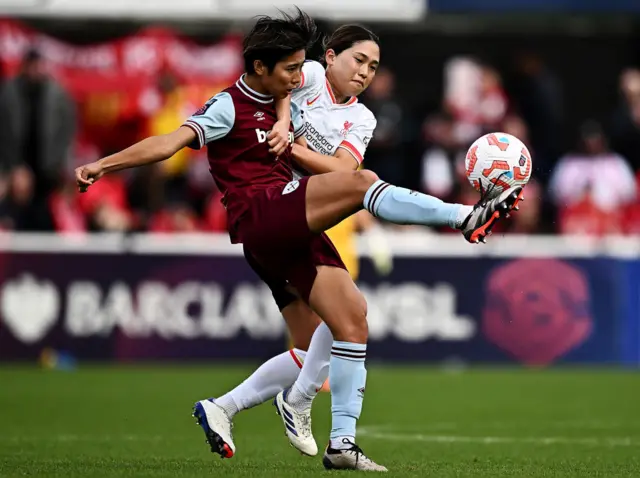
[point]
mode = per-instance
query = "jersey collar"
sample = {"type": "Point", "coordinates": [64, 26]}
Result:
{"type": "Point", "coordinates": [351, 100]}
{"type": "Point", "coordinates": [254, 95]}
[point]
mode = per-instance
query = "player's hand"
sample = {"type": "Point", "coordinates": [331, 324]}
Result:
{"type": "Point", "coordinates": [278, 138]}
{"type": "Point", "coordinates": [88, 174]}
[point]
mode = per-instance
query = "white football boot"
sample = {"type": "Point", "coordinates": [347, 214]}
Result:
{"type": "Point", "coordinates": [216, 426]}
{"type": "Point", "coordinates": [297, 425]}
{"type": "Point", "coordinates": [351, 458]}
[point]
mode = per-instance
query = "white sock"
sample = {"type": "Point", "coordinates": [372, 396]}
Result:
{"type": "Point", "coordinates": [266, 382]}
{"type": "Point", "coordinates": [463, 213]}
{"type": "Point", "coordinates": [315, 370]}
{"type": "Point", "coordinates": [342, 442]}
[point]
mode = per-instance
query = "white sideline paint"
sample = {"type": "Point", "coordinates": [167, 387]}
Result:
{"type": "Point", "coordinates": [410, 243]}
{"type": "Point", "coordinates": [377, 433]}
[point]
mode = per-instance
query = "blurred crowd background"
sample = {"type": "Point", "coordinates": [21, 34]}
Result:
{"type": "Point", "coordinates": [569, 89]}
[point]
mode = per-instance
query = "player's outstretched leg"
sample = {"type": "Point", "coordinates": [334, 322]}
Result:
{"type": "Point", "coordinates": [333, 196]}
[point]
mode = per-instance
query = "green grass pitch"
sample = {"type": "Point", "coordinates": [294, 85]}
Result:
{"type": "Point", "coordinates": [103, 421]}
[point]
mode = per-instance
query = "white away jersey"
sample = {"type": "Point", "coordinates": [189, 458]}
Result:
{"type": "Point", "coordinates": [330, 125]}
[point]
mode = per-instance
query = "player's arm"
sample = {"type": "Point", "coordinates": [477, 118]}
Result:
{"type": "Point", "coordinates": [211, 122]}
{"type": "Point", "coordinates": [347, 157]}
{"type": "Point", "coordinates": [148, 151]}
{"type": "Point", "coordinates": [316, 163]}
{"type": "Point", "coordinates": [279, 135]}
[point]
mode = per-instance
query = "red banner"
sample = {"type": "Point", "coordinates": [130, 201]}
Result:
{"type": "Point", "coordinates": [116, 83]}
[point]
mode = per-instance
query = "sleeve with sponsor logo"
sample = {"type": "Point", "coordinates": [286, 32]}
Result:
{"type": "Point", "coordinates": [297, 119]}
{"type": "Point", "coordinates": [357, 137]}
{"type": "Point", "coordinates": [313, 74]}
{"type": "Point", "coordinates": [213, 121]}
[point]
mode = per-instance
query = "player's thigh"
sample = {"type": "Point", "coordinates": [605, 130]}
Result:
{"type": "Point", "coordinates": [340, 304]}
{"type": "Point", "coordinates": [332, 197]}
{"type": "Point", "coordinates": [283, 294]}
{"type": "Point", "coordinates": [301, 322]}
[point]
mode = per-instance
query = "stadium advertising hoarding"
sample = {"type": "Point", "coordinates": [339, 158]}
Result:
{"type": "Point", "coordinates": [151, 303]}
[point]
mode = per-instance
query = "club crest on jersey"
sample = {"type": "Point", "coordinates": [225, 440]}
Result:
{"type": "Point", "coordinates": [290, 187]}
{"type": "Point", "coordinates": [345, 129]}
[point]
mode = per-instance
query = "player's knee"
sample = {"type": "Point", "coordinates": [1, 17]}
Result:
{"type": "Point", "coordinates": [353, 324]}
{"type": "Point", "coordinates": [364, 179]}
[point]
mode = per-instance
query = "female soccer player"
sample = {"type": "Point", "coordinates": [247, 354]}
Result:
{"type": "Point", "coordinates": [281, 223]}
{"type": "Point", "coordinates": [339, 128]}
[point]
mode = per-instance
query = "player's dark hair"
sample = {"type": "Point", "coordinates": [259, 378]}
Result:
{"type": "Point", "coordinates": [345, 36]}
{"type": "Point", "coordinates": [272, 39]}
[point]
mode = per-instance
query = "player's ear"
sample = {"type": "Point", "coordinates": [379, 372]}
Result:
{"type": "Point", "coordinates": [260, 68]}
{"type": "Point", "coordinates": [330, 56]}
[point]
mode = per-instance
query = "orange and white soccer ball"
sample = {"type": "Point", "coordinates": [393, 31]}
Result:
{"type": "Point", "coordinates": [496, 162]}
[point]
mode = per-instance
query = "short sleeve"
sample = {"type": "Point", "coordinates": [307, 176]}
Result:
{"type": "Point", "coordinates": [358, 137]}
{"type": "Point", "coordinates": [313, 74]}
{"type": "Point", "coordinates": [213, 121]}
{"type": "Point", "coordinates": [297, 120]}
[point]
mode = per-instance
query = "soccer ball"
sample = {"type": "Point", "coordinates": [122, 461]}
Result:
{"type": "Point", "coordinates": [496, 162]}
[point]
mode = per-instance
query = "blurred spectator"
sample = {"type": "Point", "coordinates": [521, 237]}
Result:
{"type": "Point", "coordinates": [625, 128]}
{"type": "Point", "coordinates": [475, 97]}
{"type": "Point", "coordinates": [493, 99]}
{"type": "Point", "coordinates": [385, 153]}
{"type": "Point", "coordinates": [39, 126]}
{"type": "Point", "coordinates": [538, 96]}
{"type": "Point", "coordinates": [462, 79]}
{"type": "Point", "coordinates": [528, 218]}
{"type": "Point", "coordinates": [514, 125]}
{"type": "Point", "coordinates": [592, 185]}
{"type": "Point", "coordinates": [176, 217]}
{"type": "Point", "coordinates": [105, 205]}
{"type": "Point", "coordinates": [442, 159]}
{"type": "Point", "coordinates": [66, 214]}
{"type": "Point", "coordinates": [17, 211]}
